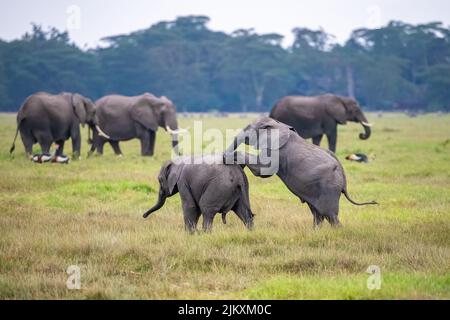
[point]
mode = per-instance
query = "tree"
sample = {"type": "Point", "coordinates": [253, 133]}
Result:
{"type": "Point", "coordinates": [399, 65]}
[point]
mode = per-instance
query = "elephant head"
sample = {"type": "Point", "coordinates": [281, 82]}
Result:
{"type": "Point", "coordinates": [344, 109]}
{"type": "Point", "coordinates": [153, 112]}
{"type": "Point", "coordinates": [83, 108]}
{"type": "Point", "coordinates": [168, 178]}
{"type": "Point", "coordinates": [268, 136]}
{"type": "Point", "coordinates": [265, 133]}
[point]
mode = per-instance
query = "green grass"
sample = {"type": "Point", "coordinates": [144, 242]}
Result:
{"type": "Point", "coordinates": [89, 213]}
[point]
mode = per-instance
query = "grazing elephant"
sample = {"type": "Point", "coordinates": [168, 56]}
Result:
{"type": "Point", "coordinates": [45, 118]}
{"type": "Point", "coordinates": [312, 117]}
{"type": "Point", "coordinates": [123, 118]}
{"type": "Point", "coordinates": [207, 187]}
{"type": "Point", "coordinates": [313, 174]}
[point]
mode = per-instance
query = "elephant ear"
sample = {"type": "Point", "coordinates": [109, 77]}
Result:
{"type": "Point", "coordinates": [79, 107]}
{"type": "Point", "coordinates": [337, 110]}
{"type": "Point", "coordinates": [147, 112]}
{"type": "Point", "coordinates": [172, 172]}
{"type": "Point", "coordinates": [274, 138]}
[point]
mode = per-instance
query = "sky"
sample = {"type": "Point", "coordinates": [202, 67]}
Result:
{"type": "Point", "coordinates": [90, 20]}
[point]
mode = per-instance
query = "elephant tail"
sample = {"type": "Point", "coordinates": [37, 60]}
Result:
{"type": "Point", "coordinates": [161, 201]}
{"type": "Point", "coordinates": [356, 203]}
{"type": "Point", "coordinates": [13, 147]}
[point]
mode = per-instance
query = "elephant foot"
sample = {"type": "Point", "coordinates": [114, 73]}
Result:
{"type": "Point", "coordinates": [76, 156]}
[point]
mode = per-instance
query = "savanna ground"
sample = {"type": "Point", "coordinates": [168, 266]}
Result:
{"type": "Point", "coordinates": [89, 213]}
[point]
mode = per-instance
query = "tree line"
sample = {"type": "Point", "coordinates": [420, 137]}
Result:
{"type": "Point", "coordinates": [399, 66]}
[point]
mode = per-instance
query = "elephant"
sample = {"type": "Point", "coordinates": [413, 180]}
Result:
{"type": "Point", "coordinates": [313, 174]}
{"type": "Point", "coordinates": [122, 118]}
{"type": "Point", "coordinates": [46, 119]}
{"type": "Point", "coordinates": [312, 117]}
{"type": "Point", "coordinates": [207, 187]}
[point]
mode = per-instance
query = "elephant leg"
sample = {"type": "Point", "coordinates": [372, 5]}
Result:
{"type": "Point", "coordinates": [191, 211]}
{"type": "Point", "coordinates": [116, 147]}
{"type": "Point", "coordinates": [92, 150]}
{"type": "Point", "coordinates": [317, 139]}
{"type": "Point", "coordinates": [240, 208]}
{"type": "Point", "coordinates": [45, 140]}
{"type": "Point", "coordinates": [332, 139]}
{"type": "Point", "coordinates": [145, 143]}
{"type": "Point", "coordinates": [100, 144]}
{"type": "Point", "coordinates": [152, 139]}
{"type": "Point", "coordinates": [28, 141]}
{"type": "Point", "coordinates": [318, 218]}
{"type": "Point", "coordinates": [333, 220]}
{"type": "Point", "coordinates": [191, 217]}
{"type": "Point", "coordinates": [94, 144]}
{"type": "Point", "coordinates": [208, 217]}
{"type": "Point", "coordinates": [76, 141]}
{"type": "Point", "coordinates": [60, 150]}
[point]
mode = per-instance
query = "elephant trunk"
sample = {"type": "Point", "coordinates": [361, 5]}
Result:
{"type": "Point", "coordinates": [361, 118]}
{"type": "Point", "coordinates": [90, 135]}
{"type": "Point", "coordinates": [159, 204]}
{"type": "Point", "coordinates": [367, 131]}
{"type": "Point", "coordinates": [175, 144]}
{"type": "Point", "coordinates": [236, 142]}
{"type": "Point", "coordinates": [171, 126]}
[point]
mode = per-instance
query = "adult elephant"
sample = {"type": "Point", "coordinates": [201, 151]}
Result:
{"type": "Point", "coordinates": [46, 119]}
{"type": "Point", "coordinates": [122, 118]}
{"type": "Point", "coordinates": [312, 117]}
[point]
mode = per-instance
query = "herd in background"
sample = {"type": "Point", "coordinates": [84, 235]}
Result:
{"type": "Point", "coordinates": [46, 119]}
{"type": "Point", "coordinates": [313, 174]}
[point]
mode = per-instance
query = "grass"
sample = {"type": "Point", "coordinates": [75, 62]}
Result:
{"type": "Point", "coordinates": [89, 213]}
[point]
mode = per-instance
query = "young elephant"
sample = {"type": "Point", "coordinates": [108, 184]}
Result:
{"type": "Point", "coordinates": [313, 174]}
{"type": "Point", "coordinates": [207, 187]}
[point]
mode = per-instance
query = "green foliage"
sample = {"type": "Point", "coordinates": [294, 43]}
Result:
{"type": "Point", "coordinates": [399, 66]}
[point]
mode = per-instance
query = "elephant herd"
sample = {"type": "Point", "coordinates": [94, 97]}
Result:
{"type": "Point", "coordinates": [46, 119]}
{"type": "Point", "coordinates": [215, 183]}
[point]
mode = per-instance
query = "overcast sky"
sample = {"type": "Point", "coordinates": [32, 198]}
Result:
{"type": "Point", "coordinates": [89, 20]}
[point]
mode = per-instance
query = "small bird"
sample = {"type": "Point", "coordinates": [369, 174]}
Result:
{"type": "Point", "coordinates": [41, 158]}
{"type": "Point", "coordinates": [61, 159]}
{"type": "Point", "coordinates": [358, 157]}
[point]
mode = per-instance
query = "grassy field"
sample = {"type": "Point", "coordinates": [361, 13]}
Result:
{"type": "Point", "coordinates": [89, 213]}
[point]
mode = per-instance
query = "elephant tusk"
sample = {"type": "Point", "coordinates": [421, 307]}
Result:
{"type": "Point", "coordinates": [179, 131]}
{"type": "Point", "coordinates": [366, 124]}
{"type": "Point", "coordinates": [101, 133]}
{"type": "Point", "coordinates": [183, 130]}
{"type": "Point", "coordinates": [170, 130]}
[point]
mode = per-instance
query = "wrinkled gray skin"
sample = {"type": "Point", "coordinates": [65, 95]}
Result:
{"type": "Point", "coordinates": [46, 119]}
{"type": "Point", "coordinates": [205, 188]}
{"type": "Point", "coordinates": [124, 118]}
{"type": "Point", "coordinates": [313, 117]}
{"type": "Point", "coordinates": [313, 174]}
